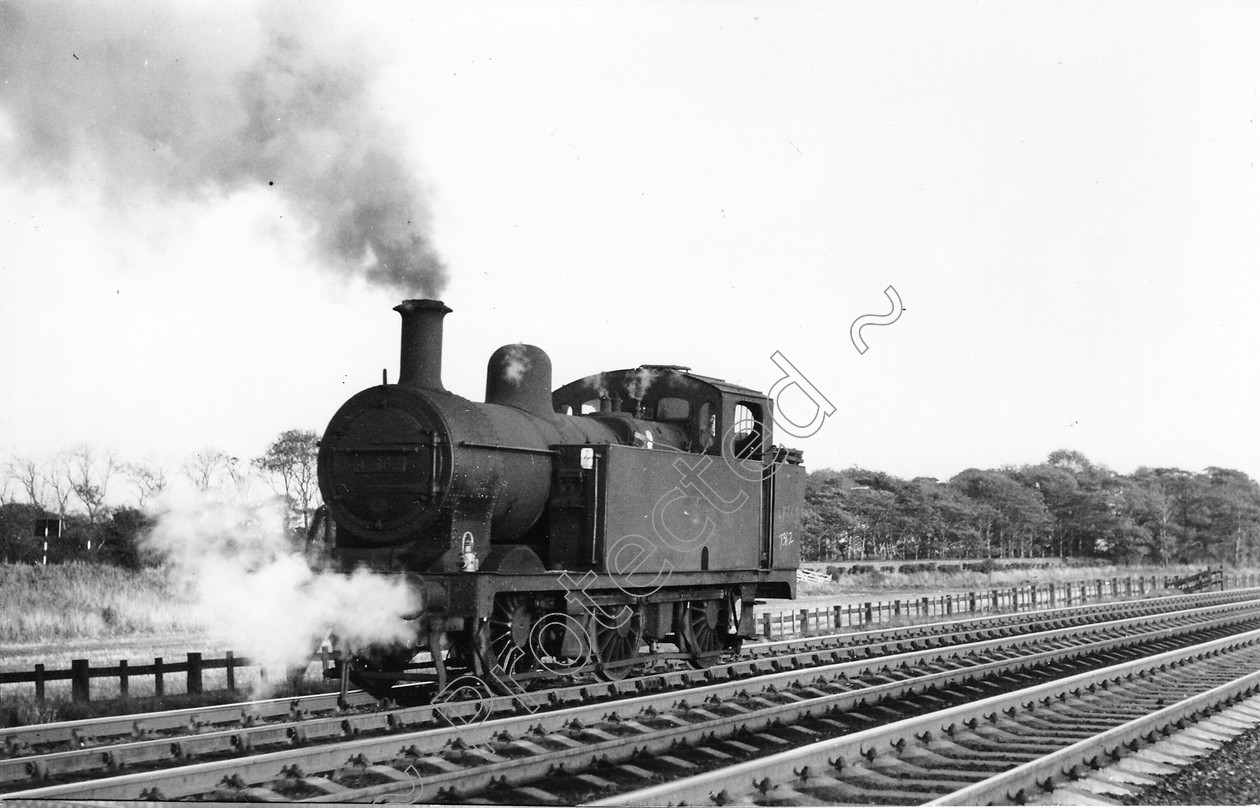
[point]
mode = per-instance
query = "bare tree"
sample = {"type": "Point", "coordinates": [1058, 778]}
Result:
{"type": "Point", "coordinates": [6, 486]}
{"type": "Point", "coordinates": [89, 473]}
{"type": "Point", "coordinates": [204, 468]}
{"type": "Point", "coordinates": [290, 461]}
{"type": "Point", "coordinates": [148, 478]}
{"type": "Point", "coordinates": [29, 474]}
{"type": "Point", "coordinates": [58, 483]}
{"type": "Point", "coordinates": [243, 475]}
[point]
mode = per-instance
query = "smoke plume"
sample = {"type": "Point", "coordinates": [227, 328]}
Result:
{"type": "Point", "coordinates": [249, 585]}
{"type": "Point", "coordinates": [177, 100]}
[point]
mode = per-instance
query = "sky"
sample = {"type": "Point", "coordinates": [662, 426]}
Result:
{"type": "Point", "coordinates": [208, 210]}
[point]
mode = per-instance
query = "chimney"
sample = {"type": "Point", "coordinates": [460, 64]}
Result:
{"type": "Point", "coordinates": [420, 364]}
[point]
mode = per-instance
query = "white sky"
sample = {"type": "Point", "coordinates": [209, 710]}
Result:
{"type": "Point", "coordinates": [1065, 196]}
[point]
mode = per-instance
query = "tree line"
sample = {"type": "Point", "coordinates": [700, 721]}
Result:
{"type": "Point", "coordinates": [1065, 507]}
{"type": "Point", "coordinates": [105, 503]}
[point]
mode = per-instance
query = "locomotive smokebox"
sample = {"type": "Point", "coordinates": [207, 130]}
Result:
{"type": "Point", "coordinates": [420, 364]}
{"type": "Point", "coordinates": [520, 376]}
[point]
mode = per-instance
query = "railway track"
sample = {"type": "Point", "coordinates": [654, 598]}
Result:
{"type": "Point", "coordinates": [76, 748]}
{"type": "Point", "coordinates": [393, 753]}
{"type": "Point", "coordinates": [1008, 748]}
{"type": "Point", "coordinates": [23, 742]}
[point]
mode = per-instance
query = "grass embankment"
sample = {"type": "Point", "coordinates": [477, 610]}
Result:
{"type": "Point", "coordinates": [41, 604]}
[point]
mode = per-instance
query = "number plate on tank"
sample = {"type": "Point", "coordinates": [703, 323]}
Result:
{"type": "Point", "coordinates": [379, 463]}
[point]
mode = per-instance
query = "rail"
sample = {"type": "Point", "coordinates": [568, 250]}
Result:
{"type": "Point", "coordinates": [798, 622]}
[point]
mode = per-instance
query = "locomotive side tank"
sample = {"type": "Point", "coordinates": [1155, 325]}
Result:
{"type": "Point", "coordinates": [568, 530]}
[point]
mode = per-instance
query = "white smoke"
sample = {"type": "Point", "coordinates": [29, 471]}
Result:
{"type": "Point", "coordinates": [250, 585]}
{"type": "Point", "coordinates": [639, 380]}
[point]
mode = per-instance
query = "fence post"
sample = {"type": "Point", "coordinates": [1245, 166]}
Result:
{"type": "Point", "coordinates": [194, 672]}
{"type": "Point", "coordinates": [159, 687]}
{"type": "Point", "coordinates": [124, 679]}
{"type": "Point", "coordinates": [80, 680]}
{"type": "Point", "coordinates": [39, 681]}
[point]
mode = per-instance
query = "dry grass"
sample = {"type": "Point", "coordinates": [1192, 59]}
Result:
{"type": "Point", "coordinates": [87, 601]}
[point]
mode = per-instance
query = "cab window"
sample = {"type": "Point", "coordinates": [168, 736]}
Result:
{"type": "Point", "coordinates": [746, 431]}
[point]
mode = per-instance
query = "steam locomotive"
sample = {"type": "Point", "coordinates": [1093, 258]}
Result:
{"type": "Point", "coordinates": [629, 515]}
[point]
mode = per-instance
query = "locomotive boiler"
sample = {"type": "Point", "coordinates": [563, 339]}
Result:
{"type": "Point", "coordinates": [629, 515]}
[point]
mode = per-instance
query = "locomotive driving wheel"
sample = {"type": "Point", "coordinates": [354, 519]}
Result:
{"type": "Point", "coordinates": [704, 628]}
{"type": "Point", "coordinates": [504, 652]}
{"type": "Point", "coordinates": [618, 638]}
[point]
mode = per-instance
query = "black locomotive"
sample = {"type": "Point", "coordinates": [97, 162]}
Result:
{"type": "Point", "coordinates": [559, 532]}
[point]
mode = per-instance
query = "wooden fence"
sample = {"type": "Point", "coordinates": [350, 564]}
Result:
{"type": "Point", "coordinates": [81, 673]}
{"type": "Point", "coordinates": [1027, 596]}
{"type": "Point", "coordinates": [783, 624]}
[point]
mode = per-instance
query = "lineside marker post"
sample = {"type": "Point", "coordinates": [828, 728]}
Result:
{"type": "Point", "coordinates": [194, 672]}
{"type": "Point", "coordinates": [80, 680]}
{"type": "Point", "coordinates": [159, 687]}
{"type": "Point", "coordinates": [39, 681]}
{"type": "Point", "coordinates": [231, 671]}
{"type": "Point", "coordinates": [124, 679]}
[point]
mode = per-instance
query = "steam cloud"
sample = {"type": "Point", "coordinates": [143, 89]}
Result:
{"type": "Point", "coordinates": [639, 380]}
{"type": "Point", "coordinates": [188, 100]}
{"type": "Point", "coordinates": [248, 585]}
